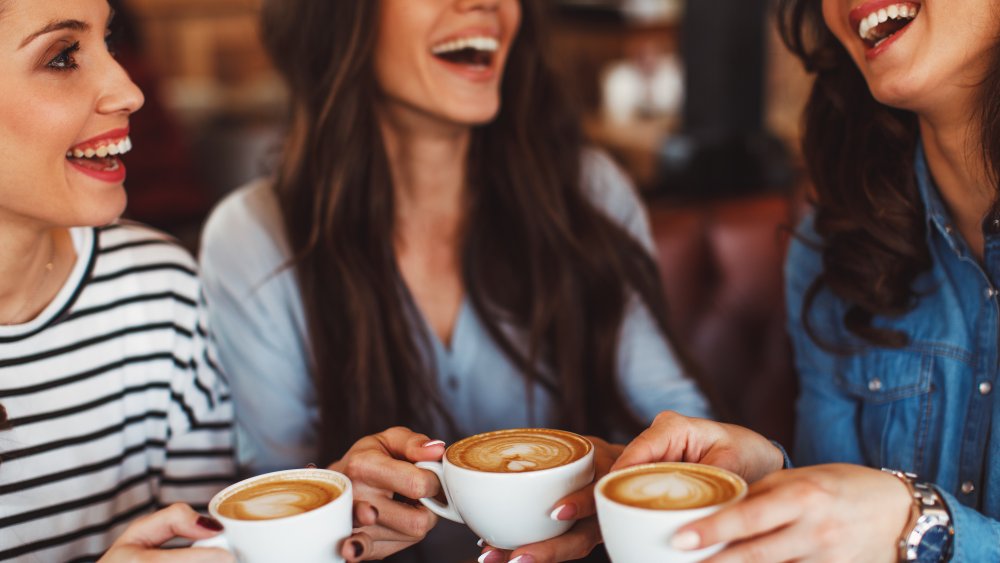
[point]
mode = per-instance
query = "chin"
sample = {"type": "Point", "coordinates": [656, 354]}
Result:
{"type": "Point", "coordinates": [103, 212]}
{"type": "Point", "coordinates": [475, 114]}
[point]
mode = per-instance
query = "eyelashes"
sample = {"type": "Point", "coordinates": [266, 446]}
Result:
{"type": "Point", "coordinates": [65, 61]}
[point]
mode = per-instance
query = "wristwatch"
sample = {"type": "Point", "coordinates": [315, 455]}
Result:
{"type": "Point", "coordinates": [929, 534]}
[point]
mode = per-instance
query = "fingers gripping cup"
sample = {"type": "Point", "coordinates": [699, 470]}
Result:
{"type": "Point", "coordinates": [300, 515]}
{"type": "Point", "coordinates": [504, 484]}
{"type": "Point", "coordinates": [641, 507]}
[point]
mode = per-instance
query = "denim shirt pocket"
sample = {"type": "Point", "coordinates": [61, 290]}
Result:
{"type": "Point", "coordinates": [894, 400]}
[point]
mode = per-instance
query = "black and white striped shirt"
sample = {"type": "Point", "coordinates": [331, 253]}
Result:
{"type": "Point", "coordinates": [114, 398]}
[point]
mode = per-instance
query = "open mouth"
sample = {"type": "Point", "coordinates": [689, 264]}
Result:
{"type": "Point", "coordinates": [475, 52]}
{"type": "Point", "coordinates": [100, 156]}
{"type": "Point", "coordinates": [880, 25]}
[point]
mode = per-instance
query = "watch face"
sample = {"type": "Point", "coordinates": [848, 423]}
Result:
{"type": "Point", "coordinates": [934, 545]}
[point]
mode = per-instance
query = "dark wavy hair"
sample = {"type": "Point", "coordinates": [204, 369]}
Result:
{"type": "Point", "coordinates": [535, 255]}
{"type": "Point", "coordinates": [860, 156]}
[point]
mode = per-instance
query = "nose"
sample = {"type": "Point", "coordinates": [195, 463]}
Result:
{"type": "Point", "coordinates": [120, 95]}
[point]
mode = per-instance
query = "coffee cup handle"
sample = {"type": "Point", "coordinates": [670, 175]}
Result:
{"type": "Point", "coordinates": [218, 541]}
{"type": "Point", "coordinates": [435, 506]}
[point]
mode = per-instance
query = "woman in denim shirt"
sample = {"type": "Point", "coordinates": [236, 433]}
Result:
{"type": "Point", "coordinates": [891, 299]}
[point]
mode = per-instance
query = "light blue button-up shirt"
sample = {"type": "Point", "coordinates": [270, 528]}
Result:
{"type": "Point", "coordinates": [260, 325]}
{"type": "Point", "coordinates": [928, 408]}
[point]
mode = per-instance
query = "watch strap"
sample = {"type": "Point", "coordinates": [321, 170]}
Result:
{"type": "Point", "coordinates": [929, 513]}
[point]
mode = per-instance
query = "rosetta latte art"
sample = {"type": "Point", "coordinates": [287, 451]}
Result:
{"type": "Point", "coordinates": [517, 451]}
{"type": "Point", "coordinates": [278, 499]}
{"type": "Point", "coordinates": [670, 490]}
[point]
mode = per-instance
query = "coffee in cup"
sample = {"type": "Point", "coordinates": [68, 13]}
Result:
{"type": "Point", "coordinates": [301, 515]}
{"type": "Point", "coordinates": [518, 451]}
{"type": "Point", "coordinates": [278, 498]}
{"type": "Point", "coordinates": [505, 484]}
{"type": "Point", "coordinates": [640, 508]}
{"type": "Point", "coordinates": [680, 487]}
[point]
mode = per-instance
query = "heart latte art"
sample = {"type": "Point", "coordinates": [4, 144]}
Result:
{"type": "Point", "coordinates": [518, 451]}
{"type": "Point", "coordinates": [672, 488]}
{"type": "Point", "coordinates": [278, 499]}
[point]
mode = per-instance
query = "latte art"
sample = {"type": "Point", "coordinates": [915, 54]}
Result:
{"type": "Point", "coordinates": [278, 499]}
{"type": "Point", "coordinates": [518, 451]}
{"type": "Point", "coordinates": [672, 489]}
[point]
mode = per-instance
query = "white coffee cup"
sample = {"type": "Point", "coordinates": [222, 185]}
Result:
{"type": "Point", "coordinates": [310, 537]}
{"type": "Point", "coordinates": [509, 510]}
{"type": "Point", "coordinates": [643, 535]}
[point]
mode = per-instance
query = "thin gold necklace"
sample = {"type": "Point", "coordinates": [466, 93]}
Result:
{"type": "Point", "coordinates": [12, 320]}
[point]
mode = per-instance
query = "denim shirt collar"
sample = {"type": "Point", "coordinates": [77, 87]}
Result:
{"type": "Point", "coordinates": [938, 217]}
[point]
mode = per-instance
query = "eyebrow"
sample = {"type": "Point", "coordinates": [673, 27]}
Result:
{"type": "Point", "coordinates": [75, 25]}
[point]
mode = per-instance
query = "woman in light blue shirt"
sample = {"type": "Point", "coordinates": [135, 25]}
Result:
{"type": "Point", "coordinates": [426, 258]}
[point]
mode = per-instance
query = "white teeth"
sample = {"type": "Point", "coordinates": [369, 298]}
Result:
{"type": "Point", "coordinates": [893, 12]}
{"type": "Point", "coordinates": [489, 44]}
{"type": "Point", "coordinates": [111, 149]}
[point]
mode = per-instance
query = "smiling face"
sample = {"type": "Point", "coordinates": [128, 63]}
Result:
{"type": "Point", "coordinates": [445, 58]}
{"type": "Point", "coordinates": [917, 55]}
{"type": "Point", "coordinates": [63, 99]}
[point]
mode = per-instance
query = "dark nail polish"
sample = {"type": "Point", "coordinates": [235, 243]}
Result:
{"type": "Point", "coordinates": [210, 523]}
{"type": "Point", "coordinates": [358, 548]}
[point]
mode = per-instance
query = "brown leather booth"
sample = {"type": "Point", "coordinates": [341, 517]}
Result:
{"type": "Point", "coordinates": [722, 269]}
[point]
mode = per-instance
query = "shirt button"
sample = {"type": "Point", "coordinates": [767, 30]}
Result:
{"type": "Point", "coordinates": [985, 388]}
{"type": "Point", "coordinates": [990, 293]}
{"type": "Point", "coordinates": [949, 229]}
{"type": "Point", "coordinates": [875, 385]}
{"type": "Point", "coordinates": [968, 487]}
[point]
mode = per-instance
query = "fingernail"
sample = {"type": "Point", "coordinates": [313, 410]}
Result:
{"type": "Point", "coordinates": [685, 541]}
{"type": "Point", "coordinates": [310, 466]}
{"type": "Point", "coordinates": [490, 556]}
{"type": "Point", "coordinates": [209, 523]}
{"type": "Point", "coordinates": [481, 542]}
{"type": "Point", "coordinates": [564, 512]}
{"type": "Point", "coordinates": [375, 510]}
{"type": "Point", "coordinates": [433, 443]}
{"type": "Point", "coordinates": [358, 548]}
{"type": "Point", "coordinates": [523, 559]}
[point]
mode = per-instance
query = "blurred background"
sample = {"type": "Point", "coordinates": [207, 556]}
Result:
{"type": "Point", "coordinates": [698, 101]}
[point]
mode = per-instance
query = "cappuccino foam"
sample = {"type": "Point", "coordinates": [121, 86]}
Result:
{"type": "Point", "coordinates": [518, 451]}
{"type": "Point", "coordinates": [278, 499]}
{"type": "Point", "coordinates": [673, 487]}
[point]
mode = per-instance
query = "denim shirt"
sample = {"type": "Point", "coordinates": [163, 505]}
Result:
{"type": "Point", "coordinates": [928, 408]}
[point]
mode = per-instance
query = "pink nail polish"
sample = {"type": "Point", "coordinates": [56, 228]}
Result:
{"type": "Point", "coordinates": [564, 512]}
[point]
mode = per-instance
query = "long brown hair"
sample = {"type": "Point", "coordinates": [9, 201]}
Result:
{"type": "Point", "coordinates": [860, 155]}
{"type": "Point", "coordinates": [536, 254]}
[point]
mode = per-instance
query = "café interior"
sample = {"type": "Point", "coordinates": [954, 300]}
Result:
{"type": "Point", "coordinates": [701, 111]}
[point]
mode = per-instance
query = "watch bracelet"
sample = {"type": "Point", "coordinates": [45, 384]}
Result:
{"type": "Point", "coordinates": [928, 510]}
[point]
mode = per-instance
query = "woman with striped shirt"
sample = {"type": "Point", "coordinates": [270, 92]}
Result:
{"type": "Point", "coordinates": [111, 405]}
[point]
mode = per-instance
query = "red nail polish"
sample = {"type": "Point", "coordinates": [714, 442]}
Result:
{"type": "Point", "coordinates": [210, 523]}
